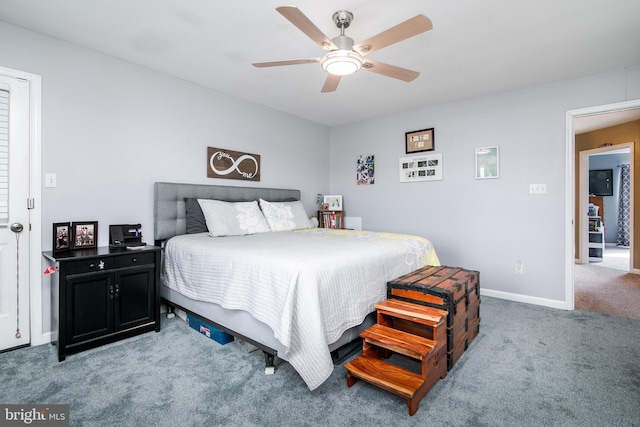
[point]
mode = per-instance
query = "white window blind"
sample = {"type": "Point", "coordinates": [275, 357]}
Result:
{"type": "Point", "coordinates": [4, 156]}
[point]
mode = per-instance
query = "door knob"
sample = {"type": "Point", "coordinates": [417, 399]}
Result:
{"type": "Point", "coordinates": [16, 227]}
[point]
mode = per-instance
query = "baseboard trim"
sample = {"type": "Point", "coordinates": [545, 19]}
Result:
{"type": "Point", "coordinates": [525, 298]}
{"type": "Point", "coordinates": [45, 338]}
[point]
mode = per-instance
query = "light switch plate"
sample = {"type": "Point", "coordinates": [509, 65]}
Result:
{"type": "Point", "coordinates": [50, 180]}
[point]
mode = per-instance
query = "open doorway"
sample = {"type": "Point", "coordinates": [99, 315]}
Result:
{"type": "Point", "coordinates": [606, 176]}
{"type": "Point", "coordinates": [606, 150]}
{"type": "Point", "coordinates": [573, 200]}
{"type": "Point", "coordinates": [597, 286]}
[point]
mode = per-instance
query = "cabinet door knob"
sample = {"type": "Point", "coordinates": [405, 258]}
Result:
{"type": "Point", "coordinates": [92, 265]}
{"type": "Point", "coordinates": [135, 260]}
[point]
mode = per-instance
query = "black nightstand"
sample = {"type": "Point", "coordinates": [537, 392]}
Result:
{"type": "Point", "coordinates": [102, 295]}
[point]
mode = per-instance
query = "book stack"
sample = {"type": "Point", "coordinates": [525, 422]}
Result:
{"type": "Point", "coordinates": [331, 219]}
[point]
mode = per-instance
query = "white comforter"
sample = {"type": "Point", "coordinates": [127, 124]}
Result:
{"type": "Point", "coordinates": [309, 286]}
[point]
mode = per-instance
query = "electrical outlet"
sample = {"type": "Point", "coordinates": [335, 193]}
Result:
{"type": "Point", "coordinates": [519, 267]}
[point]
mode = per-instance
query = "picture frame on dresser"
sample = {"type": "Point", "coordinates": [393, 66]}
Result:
{"type": "Point", "coordinates": [61, 237]}
{"type": "Point", "coordinates": [84, 234]}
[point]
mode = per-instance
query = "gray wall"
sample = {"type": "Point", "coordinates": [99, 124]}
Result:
{"type": "Point", "coordinates": [486, 225]}
{"type": "Point", "coordinates": [110, 129]}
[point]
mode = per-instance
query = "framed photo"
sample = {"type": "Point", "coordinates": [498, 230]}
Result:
{"type": "Point", "coordinates": [334, 202]}
{"type": "Point", "coordinates": [419, 141]}
{"type": "Point", "coordinates": [84, 235]}
{"type": "Point", "coordinates": [61, 237]}
{"type": "Point", "coordinates": [487, 162]}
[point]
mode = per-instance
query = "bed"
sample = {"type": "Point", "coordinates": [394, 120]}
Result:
{"type": "Point", "coordinates": [296, 294]}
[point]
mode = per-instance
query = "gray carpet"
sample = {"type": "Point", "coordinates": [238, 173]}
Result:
{"type": "Point", "coordinates": [607, 291]}
{"type": "Point", "coordinates": [529, 366]}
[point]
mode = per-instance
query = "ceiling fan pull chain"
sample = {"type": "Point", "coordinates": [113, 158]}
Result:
{"type": "Point", "coordinates": [17, 228]}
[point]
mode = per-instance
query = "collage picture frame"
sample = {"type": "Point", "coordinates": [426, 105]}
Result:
{"type": "Point", "coordinates": [419, 141]}
{"type": "Point", "coordinates": [426, 167]}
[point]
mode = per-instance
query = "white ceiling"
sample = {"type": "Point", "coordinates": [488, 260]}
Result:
{"type": "Point", "coordinates": [475, 48]}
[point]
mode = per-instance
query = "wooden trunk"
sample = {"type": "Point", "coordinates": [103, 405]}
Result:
{"type": "Point", "coordinates": [455, 290]}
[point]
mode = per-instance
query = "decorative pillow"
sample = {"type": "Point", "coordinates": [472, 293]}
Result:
{"type": "Point", "coordinates": [195, 218]}
{"type": "Point", "coordinates": [233, 219]}
{"type": "Point", "coordinates": [285, 216]}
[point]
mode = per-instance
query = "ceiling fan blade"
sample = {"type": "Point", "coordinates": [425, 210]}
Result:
{"type": "Point", "coordinates": [390, 70]}
{"type": "Point", "coordinates": [331, 84]}
{"type": "Point", "coordinates": [409, 28]}
{"type": "Point", "coordinates": [289, 62]}
{"type": "Point", "coordinates": [303, 23]}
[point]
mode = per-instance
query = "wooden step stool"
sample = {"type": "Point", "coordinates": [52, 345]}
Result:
{"type": "Point", "coordinates": [413, 330]}
{"type": "Point", "coordinates": [453, 289]}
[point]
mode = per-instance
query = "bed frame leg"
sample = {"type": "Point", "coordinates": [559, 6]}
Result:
{"type": "Point", "coordinates": [269, 368]}
{"type": "Point", "coordinates": [170, 312]}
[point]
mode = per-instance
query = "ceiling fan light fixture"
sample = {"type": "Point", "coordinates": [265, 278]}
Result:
{"type": "Point", "coordinates": [341, 62]}
{"type": "Point", "coordinates": [343, 57]}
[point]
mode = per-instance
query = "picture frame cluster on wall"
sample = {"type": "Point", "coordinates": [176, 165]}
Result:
{"type": "Point", "coordinates": [425, 166]}
{"type": "Point", "coordinates": [68, 236]}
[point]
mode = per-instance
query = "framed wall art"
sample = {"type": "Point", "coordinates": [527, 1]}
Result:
{"type": "Point", "coordinates": [61, 237]}
{"type": "Point", "coordinates": [84, 235]}
{"type": "Point", "coordinates": [487, 162]}
{"type": "Point", "coordinates": [418, 141]}
{"type": "Point", "coordinates": [229, 164]}
{"type": "Point", "coordinates": [427, 167]}
{"type": "Point", "coordinates": [365, 170]}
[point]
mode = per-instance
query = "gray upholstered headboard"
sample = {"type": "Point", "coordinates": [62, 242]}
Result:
{"type": "Point", "coordinates": [169, 217]}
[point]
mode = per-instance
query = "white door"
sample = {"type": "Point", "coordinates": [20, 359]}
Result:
{"type": "Point", "coordinates": [14, 213]}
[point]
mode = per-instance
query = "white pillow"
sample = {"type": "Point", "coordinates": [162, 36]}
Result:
{"type": "Point", "coordinates": [232, 219]}
{"type": "Point", "coordinates": [285, 216]}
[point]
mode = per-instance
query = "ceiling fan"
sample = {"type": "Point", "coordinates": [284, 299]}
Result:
{"type": "Point", "coordinates": [343, 56]}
